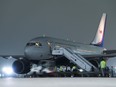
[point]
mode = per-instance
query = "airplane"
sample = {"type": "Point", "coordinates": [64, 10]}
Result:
{"type": "Point", "coordinates": [44, 51]}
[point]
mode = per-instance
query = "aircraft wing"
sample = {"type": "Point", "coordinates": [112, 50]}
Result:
{"type": "Point", "coordinates": [12, 56]}
{"type": "Point", "coordinates": [109, 51]}
{"type": "Point", "coordinates": [100, 55]}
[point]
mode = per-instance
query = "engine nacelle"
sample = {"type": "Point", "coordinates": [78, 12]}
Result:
{"type": "Point", "coordinates": [21, 66]}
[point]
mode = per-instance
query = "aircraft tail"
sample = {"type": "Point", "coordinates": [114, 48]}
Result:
{"type": "Point", "coordinates": [99, 38]}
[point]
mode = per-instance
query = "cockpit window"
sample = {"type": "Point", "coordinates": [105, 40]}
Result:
{"type": "Point", "coordinates": [38, 44]}
{"type": "Point", "coordinates": [30, 44]}
{"type": "Point", "coordinates": [34, 44]}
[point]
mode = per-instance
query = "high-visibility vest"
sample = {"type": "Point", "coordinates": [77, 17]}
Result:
{"type": "Point", "coordinates": [74, 67]}
{"type": "Point", "coordinates": [102, 64]}
{"type": "Point", "coordinates": [61, 69]}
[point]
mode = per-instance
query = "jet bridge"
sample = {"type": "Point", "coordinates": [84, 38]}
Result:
{"type": "Point", "coordinates": [75, 58]}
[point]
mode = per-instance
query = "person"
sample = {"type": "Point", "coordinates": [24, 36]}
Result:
{"type": "Point", "coordinates": [103, 67]}
{"type": "Point", "coordinates": [68, 71]}
{"type": "Point", "coordinates": [74, 71]}
{"type": "Point", "coordinates": [61, 71]}
{"type": "Point", "coordinates": [111, 71]}
{"type": "Point", "coordinates": [74, 68]}
{"type": "Point", "coordinates": [68, 68]}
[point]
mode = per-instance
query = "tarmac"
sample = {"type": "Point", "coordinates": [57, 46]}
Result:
{"type": "Point", "coordinates": [57, 82]}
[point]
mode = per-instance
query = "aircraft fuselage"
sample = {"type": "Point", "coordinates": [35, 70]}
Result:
{"type": "Point", "coordinates": [41, 48]}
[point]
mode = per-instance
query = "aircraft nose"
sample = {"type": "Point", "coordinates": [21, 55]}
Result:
{"type": "Point", "coordinates": [32, 52]}
{"type": "Point", "coordinates": [28, 51]}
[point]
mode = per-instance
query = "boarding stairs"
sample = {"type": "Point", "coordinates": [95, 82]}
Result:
{"type": "Point", "coordinates": [75, 58]}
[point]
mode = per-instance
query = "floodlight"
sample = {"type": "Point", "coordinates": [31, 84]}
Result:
{"type": "Point", "coordinates": [7, 70]}
{"type": "Point", "coordinates": [81, 70]}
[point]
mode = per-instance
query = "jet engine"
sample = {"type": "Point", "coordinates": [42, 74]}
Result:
{"type": "Point", "coordinates": [21, 66]}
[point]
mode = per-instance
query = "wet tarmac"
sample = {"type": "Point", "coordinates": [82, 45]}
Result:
{"type": "Point", "coordinates": [57, 82]}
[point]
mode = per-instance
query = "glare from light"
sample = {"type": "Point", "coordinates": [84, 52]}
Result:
{"type": "Point", "coordinates": [7, 70]}
{"type": "Point", "coordinates": [81, 70]}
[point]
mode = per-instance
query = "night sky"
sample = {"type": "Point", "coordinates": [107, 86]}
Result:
{"type": "Point", "coordinates": [22, 20]}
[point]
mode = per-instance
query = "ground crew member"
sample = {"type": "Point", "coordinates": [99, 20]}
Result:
{"type": "Point", "coordinates": [74, 68]}
{"type": "Point", "coordinates": [103, 67]}
{"type": "Point", "coordinates": [74, 71]}
{"type": "Point", "coordinates": [68, 69]}
{"type": "Point", "coordinates": [61, 71]}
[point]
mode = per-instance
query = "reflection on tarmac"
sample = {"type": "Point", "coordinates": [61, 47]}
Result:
{"type": "Point", "coordinates": [58, 82]}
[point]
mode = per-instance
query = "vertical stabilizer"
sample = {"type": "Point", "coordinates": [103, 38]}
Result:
{"type": "Point", "coordinates": [99, 38]}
